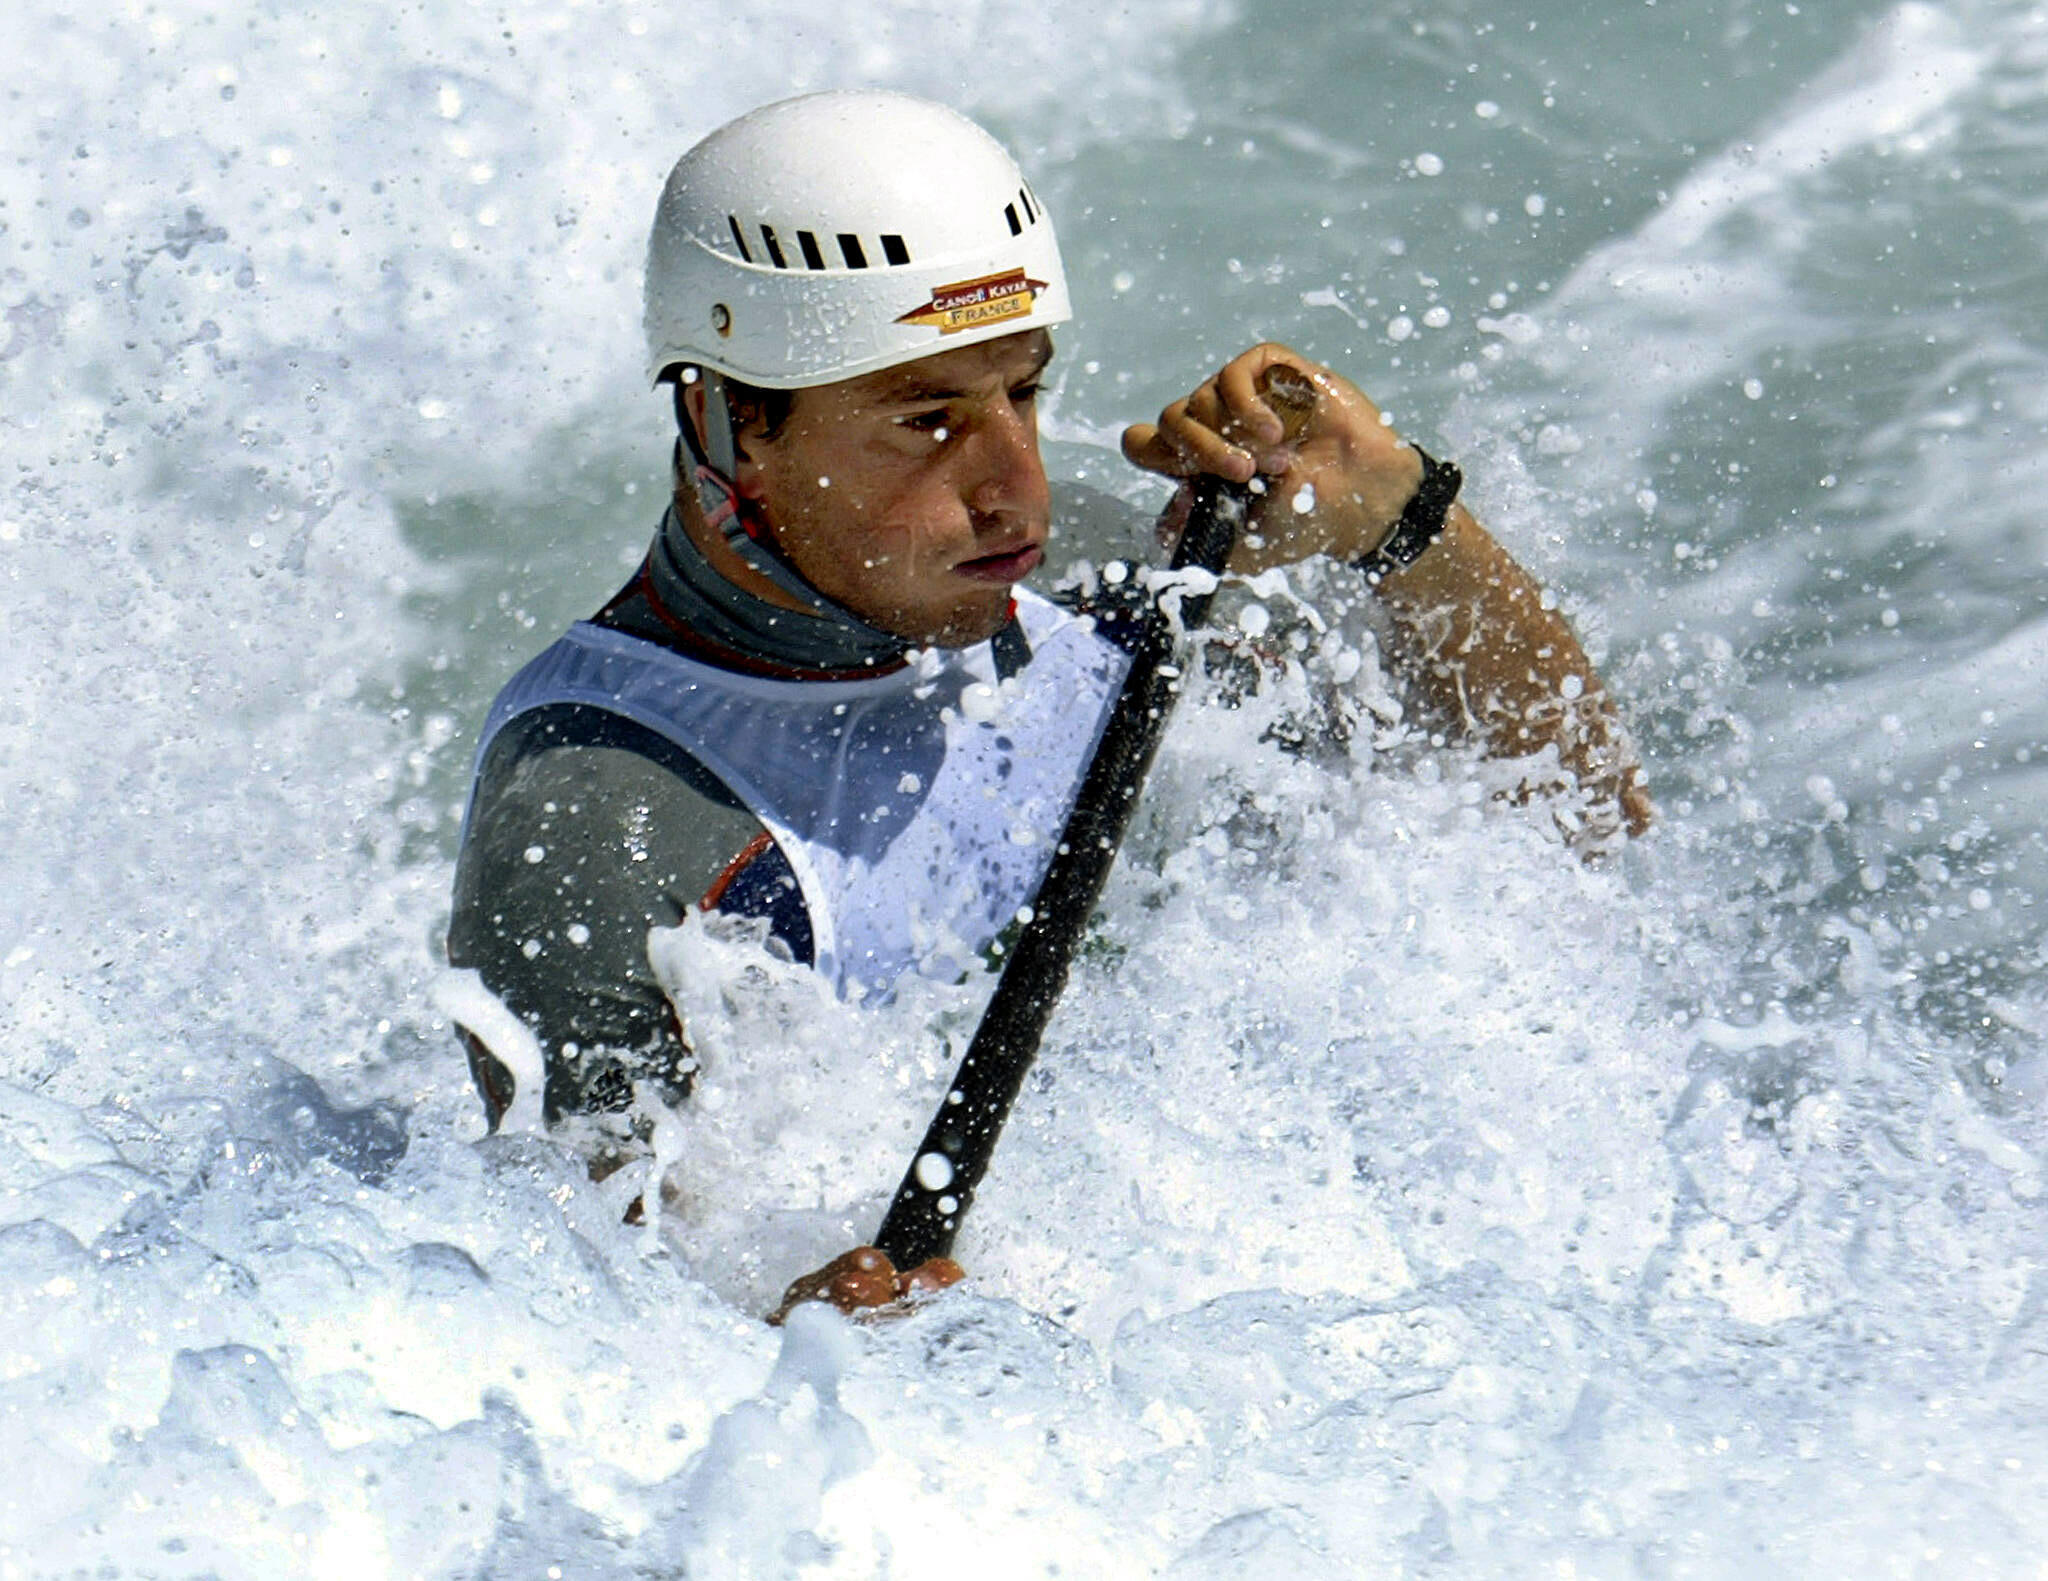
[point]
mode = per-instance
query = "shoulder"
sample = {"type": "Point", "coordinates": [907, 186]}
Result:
{"type": "Point", "coordinates": [579, 840]}
{"type": "Point", "coordinates": [580, 742]}
{"type": "Point", "coordinates": [570, 789]}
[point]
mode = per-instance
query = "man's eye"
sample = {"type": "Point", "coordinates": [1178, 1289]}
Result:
{"type": "Point", "coordinates": [1025, 394]}
{"type": "Point", "coordinates": [931, 422]}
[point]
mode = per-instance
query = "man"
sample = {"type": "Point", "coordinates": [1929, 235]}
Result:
{"type": "Point", "coordinates": [825, 701]}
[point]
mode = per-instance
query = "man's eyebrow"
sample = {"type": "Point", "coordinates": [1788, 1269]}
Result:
{"type": "Point", "coordinates": [912, 386]}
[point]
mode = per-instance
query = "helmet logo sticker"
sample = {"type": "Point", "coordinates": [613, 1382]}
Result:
{"type": "Point", "coordinates": [987, 299]}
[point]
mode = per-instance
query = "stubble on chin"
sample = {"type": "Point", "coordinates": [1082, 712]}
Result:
{"type": "Point", "coordinates": [955, 628]}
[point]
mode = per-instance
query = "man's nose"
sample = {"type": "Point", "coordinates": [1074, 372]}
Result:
{"type": "Point", "coordinates": [1010, 476]}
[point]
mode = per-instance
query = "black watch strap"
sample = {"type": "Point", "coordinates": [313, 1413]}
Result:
{"type": "Point", "coordinates": [1422, 520]}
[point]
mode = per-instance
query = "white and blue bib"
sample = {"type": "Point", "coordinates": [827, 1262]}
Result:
{"type": "Point", "coordinates": [918, 810]}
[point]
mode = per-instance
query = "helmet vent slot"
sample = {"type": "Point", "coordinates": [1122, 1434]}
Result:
{"type": "Point", "coordinates": [1030, 211]}
{"type": "Point", "coordinates": [1010, 214]}
{"type": "Point", "coordinates": [739, 237]}
{"type": "Point", "coordinates": [851, 247]}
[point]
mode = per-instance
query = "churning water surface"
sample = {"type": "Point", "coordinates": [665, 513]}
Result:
{"type": "Point", "coordinates": [1396, 1194]}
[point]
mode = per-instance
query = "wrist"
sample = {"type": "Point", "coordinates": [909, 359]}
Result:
{"type": "Point", "coordinates": [1421, 522]}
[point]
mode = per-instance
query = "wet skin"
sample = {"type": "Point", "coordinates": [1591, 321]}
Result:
{"type": "Point", "coordinates": [914, 496]}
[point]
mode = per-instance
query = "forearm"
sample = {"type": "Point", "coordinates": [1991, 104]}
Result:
{"type": "Point", "coordinates": [1479, 645]}
{"type": "Point", "coordinates": [1471, 633]}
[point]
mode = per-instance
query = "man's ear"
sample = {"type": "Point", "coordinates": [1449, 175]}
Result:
{"type": "Point", "coordinates": [747, 431]}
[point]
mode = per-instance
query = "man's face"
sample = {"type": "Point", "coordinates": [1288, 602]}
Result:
{"type": "Point", "coordinates": [914, 496]}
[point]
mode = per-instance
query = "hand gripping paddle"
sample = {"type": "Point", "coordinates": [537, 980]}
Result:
{"type": "Point", "coordinates": [939, 1185]}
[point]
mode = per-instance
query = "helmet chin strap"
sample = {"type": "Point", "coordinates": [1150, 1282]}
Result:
{"type": "Point", "coordinates": [716, 449]}
{"type": "Point", "coordinates": [719, 450]}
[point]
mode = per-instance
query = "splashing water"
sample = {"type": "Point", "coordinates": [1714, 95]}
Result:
{"type": "Point", "coordinates": [1395, 1194]}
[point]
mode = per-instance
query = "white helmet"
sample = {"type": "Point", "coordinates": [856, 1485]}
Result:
{"type": "Point", "coordinates": [827, 236]}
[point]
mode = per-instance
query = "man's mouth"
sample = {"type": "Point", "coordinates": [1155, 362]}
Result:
{"type": "Point", "coordinates": [1010, 565]}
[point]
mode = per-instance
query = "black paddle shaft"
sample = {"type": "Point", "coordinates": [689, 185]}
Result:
{"type": "Point", "coordinates": [954, 1155]}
